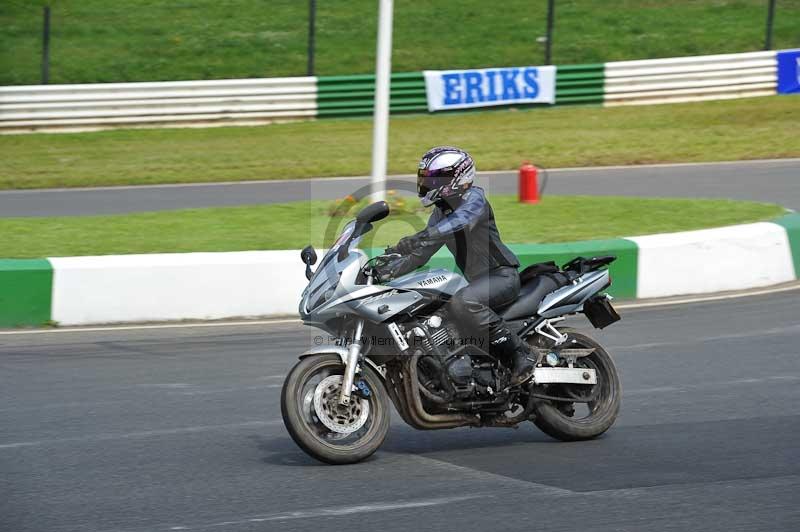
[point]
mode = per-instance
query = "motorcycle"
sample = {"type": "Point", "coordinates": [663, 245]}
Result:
{"type": "Point", "coordinates": [393, 340]}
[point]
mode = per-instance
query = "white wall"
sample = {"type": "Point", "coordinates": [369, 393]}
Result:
{"type": "Point", "coordinates": [179, 286]}
{"type": "Point", "coordinates": [713, 260]}
{"type": "Point", "coordinates": [207, 286]}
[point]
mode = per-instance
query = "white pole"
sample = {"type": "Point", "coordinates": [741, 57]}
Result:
{"type": "Point", "coordinates": [380, 127]}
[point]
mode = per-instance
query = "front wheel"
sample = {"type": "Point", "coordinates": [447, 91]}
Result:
{"type": "Point", "coordinates": [582, 420]}
{"type": "Point", "coordinates": [324, 429]}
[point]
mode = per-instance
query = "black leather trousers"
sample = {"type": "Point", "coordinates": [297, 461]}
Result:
{"type": "Point", "coordinates": [473, 308]}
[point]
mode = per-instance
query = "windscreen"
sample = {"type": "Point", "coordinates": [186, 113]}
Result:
{"type": "Point", "coordinates": [326, 277]}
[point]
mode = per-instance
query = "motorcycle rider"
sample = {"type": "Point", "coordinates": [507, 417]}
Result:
{"type": "Point", "coordinates": [463, 220]}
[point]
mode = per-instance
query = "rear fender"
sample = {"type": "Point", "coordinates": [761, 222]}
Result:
{"type": "Point", "coordinates": [342, 353]}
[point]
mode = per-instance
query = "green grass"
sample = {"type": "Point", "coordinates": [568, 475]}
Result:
{"type": "Point", "coordinates": [142, 40]}
{"type": "Point", "coordinates": [554, 137]}
{"type": "Point", "coordinates": [291, 226]}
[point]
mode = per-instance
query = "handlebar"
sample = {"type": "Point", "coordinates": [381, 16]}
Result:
{"type": "Point", "coordinates": [390, 254]}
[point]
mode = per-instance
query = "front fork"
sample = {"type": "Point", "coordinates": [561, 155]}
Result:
{"type": "Point", "coordinates": [353, 354]}
{"type": "Point", "coordinates": [351, 364]}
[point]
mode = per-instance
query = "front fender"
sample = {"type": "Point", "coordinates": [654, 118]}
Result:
{"type": "Point", "coordinates": [342, 352]}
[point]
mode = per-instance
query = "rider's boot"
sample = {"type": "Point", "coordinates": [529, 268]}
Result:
{"type": "Point", "coordinates": [522, 364]}
{"type": "Point", "coordinates": [515, 352]}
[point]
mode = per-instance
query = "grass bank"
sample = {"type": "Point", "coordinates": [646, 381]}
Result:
{"type": "Point", "coordinates": [552, 137]}
{"type": "Point", "coordinates": [292, 226]}
{"type": "Point", "coordinates": [142, 40]}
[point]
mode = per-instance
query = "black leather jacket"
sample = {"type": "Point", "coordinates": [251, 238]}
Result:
{"type": "Point", "coordinates": [470, 233]}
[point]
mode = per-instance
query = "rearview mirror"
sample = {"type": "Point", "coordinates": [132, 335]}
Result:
{"type": "Point", "coordinates": [373, 212]}
{"type": "Point", "coordinates": [308, 255]}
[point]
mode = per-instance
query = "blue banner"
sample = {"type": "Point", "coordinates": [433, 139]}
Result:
{"type": "Point", "coordinates": [789, 72]}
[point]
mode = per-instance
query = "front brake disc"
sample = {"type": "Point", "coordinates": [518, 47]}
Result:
{"type": "Point", "coordinates": [342, 419]}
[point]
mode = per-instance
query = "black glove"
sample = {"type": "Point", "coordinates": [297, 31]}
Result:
{"type": "Point", "coordinates": [385, 271]}
{"type": "Point", "coordinates": [409, 244]}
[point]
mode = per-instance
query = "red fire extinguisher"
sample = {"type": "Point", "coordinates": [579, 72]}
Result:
{"type": "Point", "coordinates": [528, 183]}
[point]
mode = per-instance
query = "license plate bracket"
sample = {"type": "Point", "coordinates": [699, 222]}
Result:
{"type": "Point", "coordinates": [600, 312]}
{"type": "Point", "coordinates": [544, 375]}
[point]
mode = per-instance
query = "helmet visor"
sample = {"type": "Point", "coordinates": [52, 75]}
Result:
{"type": "Point", "coordinates": [428, 180]}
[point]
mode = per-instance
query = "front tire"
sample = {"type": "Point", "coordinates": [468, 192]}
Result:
{"type": "Point", "coordinates": [323, 430]}
{"type": "Point", "coordinates": [554, 419]}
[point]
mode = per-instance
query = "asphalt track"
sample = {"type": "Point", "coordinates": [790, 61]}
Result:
{"type": "Point", "coordinates": [776, 181]}
{"type": "Point", "coordinates": [179, 429]}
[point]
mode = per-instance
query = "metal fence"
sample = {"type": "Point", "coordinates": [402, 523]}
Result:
{"type": "Point", "coordinates": [152, 104]}
{"type": "Point", "coordinates": [690, 79]}
{"type": "Point", "coordinates": [259, 101]}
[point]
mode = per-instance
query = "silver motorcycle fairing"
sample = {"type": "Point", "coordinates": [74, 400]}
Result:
{"type": "Point", "coordinates": [333, 277]}
{"type": "Point", "coordinates": [333, 283]}
{"type": "Point", "coordinates": [385, 305]}
{"type": "Point", "coordinates": [571, 298]}
{"type": "Point", "coordinates": [400, 295]}
{"type": "Point", "coordinates": [376, 303]}
{"type": "Point", "coordinates": [333, 292]}
{"type": "Point", "coordinates": [439, 280]}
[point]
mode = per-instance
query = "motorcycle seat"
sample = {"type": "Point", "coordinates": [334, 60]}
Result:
{"type": "Point", "coordinates": [531, 294]}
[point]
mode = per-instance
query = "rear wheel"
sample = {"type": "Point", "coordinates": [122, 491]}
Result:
{"type": "Point", "coordinates": [568, 421]}
{"type": "Point", "coordinates": [320, 426]}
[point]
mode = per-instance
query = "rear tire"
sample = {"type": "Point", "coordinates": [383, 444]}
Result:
{"type": "Point", "coordinates": [555, 423]}
{"type": "Point", "coordinates": [314, 436]}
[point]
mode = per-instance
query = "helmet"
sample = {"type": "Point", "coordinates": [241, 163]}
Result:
{"type": "Point", "coordinates": [444, 172]}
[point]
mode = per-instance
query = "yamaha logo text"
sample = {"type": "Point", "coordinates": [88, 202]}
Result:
{"type": "Point", "coordinates": [432, 280]}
